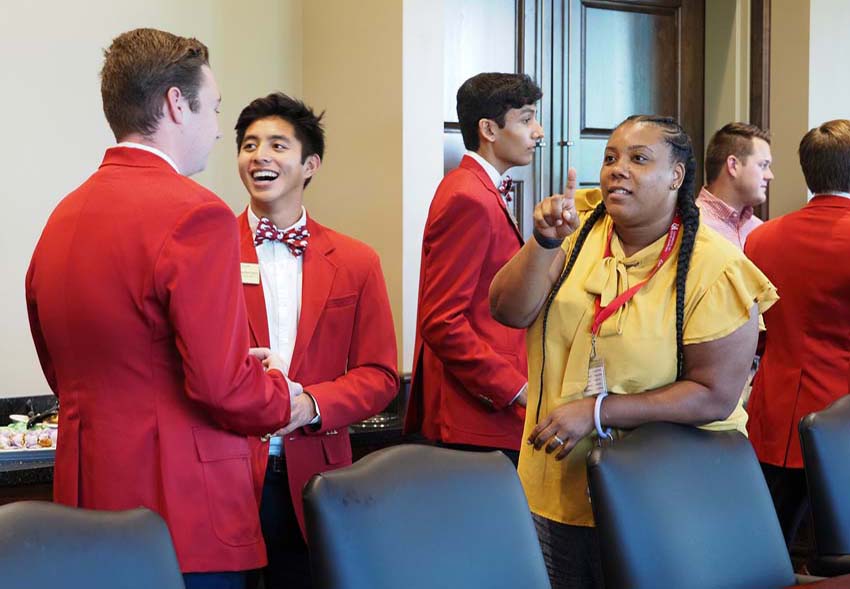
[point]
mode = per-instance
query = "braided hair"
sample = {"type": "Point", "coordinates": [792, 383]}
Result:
{"type": "Point", "coordinates": [681, 151]}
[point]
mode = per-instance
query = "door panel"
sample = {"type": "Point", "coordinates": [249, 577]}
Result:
{"type": "Point", "coordinates": [597, 61]}
{"type": "Point", "coordinates": [625, 58]}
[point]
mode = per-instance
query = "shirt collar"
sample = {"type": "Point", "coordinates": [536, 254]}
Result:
{"type": "Point", "coordinates": [491, 170]}
{"type": "Point", "coordinates": [254, 220]}
{"type": "Point", "coordinates": [834, 193]}
{"type": "Point", "coordinates": [722, 210]}
{"type": "Point", "coordinates": [149, 149]}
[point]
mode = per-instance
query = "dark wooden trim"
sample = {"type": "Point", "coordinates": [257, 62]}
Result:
{"type": "Point", "coordinates": [760, 74]}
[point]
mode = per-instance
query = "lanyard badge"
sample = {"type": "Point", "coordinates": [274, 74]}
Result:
{"type": "Point", "coordinates": [596, 383]}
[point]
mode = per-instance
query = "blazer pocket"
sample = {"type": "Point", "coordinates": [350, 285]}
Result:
{"type": "Point", "coordinates": [341, 301]}
{"type": "Point", "coordinates": [337, 449]}
{"type": "Point", "coordinates": [226, 462]}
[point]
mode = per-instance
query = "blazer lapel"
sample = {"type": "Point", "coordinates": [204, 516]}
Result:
{"type": "Point", "coordinates": [316, 282]}
{"type": "Point", "coordinates": [474, 167]}
{"type": "Point", "coordinates": [255, 300]}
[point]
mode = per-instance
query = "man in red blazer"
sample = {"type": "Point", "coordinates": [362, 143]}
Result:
{"type": "Point", "coordinates": [139, 321]}
{"type": "Point", "coordinates": [806, 362]}
{"type": "Point", "coordinates": [317, 298]}
{"type": "Point", "coordinates": [469, 372]}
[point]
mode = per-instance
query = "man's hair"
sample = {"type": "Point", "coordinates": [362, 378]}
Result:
{"type": "Point", "coordinates": [491, 96]}
{"type": "Point", "coordinates": [825, 157]}
{"type": "Point", "coordinates": [139, 68]}
{"type": "Point", "coordinates": [733, 139]}
{"type": "Point", "coordinates": [307, 125]}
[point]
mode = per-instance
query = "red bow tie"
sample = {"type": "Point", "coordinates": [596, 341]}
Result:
{"type": "Point", "coordinates": [295, 239]}
{"type": "Point", "coordinates": [505, 188]}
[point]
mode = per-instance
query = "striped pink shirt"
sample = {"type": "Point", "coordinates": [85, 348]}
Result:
{"type": "Point", "coordinates": [725, 219]}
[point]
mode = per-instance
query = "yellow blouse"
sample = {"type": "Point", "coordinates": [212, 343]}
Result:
{"type": "Point", "coordinates": [638, 342]}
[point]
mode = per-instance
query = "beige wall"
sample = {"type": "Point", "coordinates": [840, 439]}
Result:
{"type": "Point", "coordinates": [829, 84]}
{"type": "Point", "coordinates": [727, 64]}
{"type": "Point", "coordinates": [352, 69]}
{"type": "Point", "coordinates": [789, 101]}
{"type": "Point", "coordinates": [55, 133]}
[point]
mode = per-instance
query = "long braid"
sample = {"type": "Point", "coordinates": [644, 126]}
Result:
{"type": "Point", "coordinates": [682, 151]}
{"type": "Point", "coordinates": [597, 214]}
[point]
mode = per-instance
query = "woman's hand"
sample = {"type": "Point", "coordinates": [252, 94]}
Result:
{"type": "Point", "coordinates": [555, 217]}
{"type": "Point", "coordinates": [564, 427]}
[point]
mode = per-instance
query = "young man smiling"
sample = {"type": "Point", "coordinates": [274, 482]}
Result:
{"type": "Point", "coordinates": [737, 172]}
{"type": "Point", "coordinates": [469, 372]}
{"type": "Point", "coordinates": [318, 299]}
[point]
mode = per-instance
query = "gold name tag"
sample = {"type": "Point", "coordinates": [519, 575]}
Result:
{"type": "Point", "coordinates": [250, 273]}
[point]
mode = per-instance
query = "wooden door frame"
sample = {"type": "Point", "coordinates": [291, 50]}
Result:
{"type": "Point", "coordinates": [760, 75]}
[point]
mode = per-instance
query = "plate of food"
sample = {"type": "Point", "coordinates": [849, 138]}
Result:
{"type": "Point", "coordinates": [17, 437]}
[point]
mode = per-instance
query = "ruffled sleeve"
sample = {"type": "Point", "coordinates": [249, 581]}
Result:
{"type": "Point", "coordinates": [725, 305]}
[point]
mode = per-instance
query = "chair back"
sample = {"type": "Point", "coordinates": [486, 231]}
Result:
{"type": "Point", "coordinates": [417, 516]}
{"type": "Point", "coordinates": [676, 506]}
{"type": "Point", "coordinates": [49, 545]}
{"type": "Point", "coordinates": [825, 440]}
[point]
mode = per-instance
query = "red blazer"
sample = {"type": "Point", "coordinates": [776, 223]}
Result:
{"type": "Point", "coordinates": [467, 368]}
{"type": "Point", "coordinates": [806, 362]}
{"type": "Point", "coordinates": [139, 322]}
{"type": "Point", "coordinates": [345, 350]}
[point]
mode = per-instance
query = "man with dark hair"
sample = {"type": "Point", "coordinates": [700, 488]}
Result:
{"type": "Point", "coordinates": [140, 326]}
{"type": "Point", "coordinates": [804, 366]}
{"type": "Point", "coordinates": [737, 172]}
{"type": "Point", "coordinates": [317, 298]}
{"type": "Point", "coordinates": [470, 372]}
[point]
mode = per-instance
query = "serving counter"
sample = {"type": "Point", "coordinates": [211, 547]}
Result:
{"type": "Point", "coordinates": [28, 474]}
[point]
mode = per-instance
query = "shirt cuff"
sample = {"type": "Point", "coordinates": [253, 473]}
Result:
{"type": "Point", "coordinates": [318, 419]}
{"type": "Point", "coordinates": [519, 392]}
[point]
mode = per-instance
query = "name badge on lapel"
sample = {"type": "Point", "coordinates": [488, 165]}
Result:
{"type": "Point", "coordinates": [250, 273]}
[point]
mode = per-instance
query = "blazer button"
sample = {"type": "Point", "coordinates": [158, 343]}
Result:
{"type": "Point", "coordinates": [332, 432]}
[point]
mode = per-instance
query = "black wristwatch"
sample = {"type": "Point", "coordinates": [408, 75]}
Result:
{"type": "Point", "coordinates": [548, 243]}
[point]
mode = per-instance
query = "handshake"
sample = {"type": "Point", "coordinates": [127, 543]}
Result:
{"type": "Point", "coordinates": [304, 407]}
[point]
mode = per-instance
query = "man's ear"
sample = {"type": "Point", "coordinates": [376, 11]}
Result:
{"type": "Point", "coordinates": [733, 166]}
{"type": "Point", "coordinates": [312, 165]}
{"type": "Point", "coordinates": [487, 130]}
{"type": "Point", "coordinates": [174, 104]}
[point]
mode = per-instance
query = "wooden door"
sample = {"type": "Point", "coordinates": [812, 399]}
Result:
{"type": "Point", "coordinates": [597, 61]}
{"type": "Point", "coordinates": [612, 59]}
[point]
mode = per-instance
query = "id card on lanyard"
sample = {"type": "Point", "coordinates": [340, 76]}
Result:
{"type": "Point", "coordinates": [596, 383]}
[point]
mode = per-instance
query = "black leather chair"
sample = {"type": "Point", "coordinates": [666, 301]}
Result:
{"type": "Point", "coordinates": [825, 437]}
{"type": "Point", "coordinates": [416, 516]}
{"type": "Point", "coordinates": [48, 545]}
{"type": "Point", "coordinates": [676, 506]}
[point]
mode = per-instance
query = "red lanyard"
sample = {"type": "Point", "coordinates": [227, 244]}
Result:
{"type": "Point", "coordinates": [602, 313]}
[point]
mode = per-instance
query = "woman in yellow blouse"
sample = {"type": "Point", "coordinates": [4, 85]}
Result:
{"type": "Point", "coordinates": [625, 281]}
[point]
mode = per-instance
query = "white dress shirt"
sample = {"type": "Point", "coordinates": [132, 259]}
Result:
{"type": "Point", "coordinates": [282, 276]}
{"type": "Point", "coordinates": [149, 149]}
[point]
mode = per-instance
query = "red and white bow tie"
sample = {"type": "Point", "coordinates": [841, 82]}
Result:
{"type": "Point", "coordinates": [295, 238]}
{"type": "Point", "coordinates": [505, 188]}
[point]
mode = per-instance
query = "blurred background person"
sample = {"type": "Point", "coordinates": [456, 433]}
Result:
{"type": "Point", "coordinates": [737, 173]}
{"type": "Point", "coordinates": [469, 382]}
{"type": "Point", "coordinates": [805, 363]}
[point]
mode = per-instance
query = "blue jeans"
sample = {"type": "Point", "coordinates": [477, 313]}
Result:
{"type": "Point", "coordinates": [228, 580]}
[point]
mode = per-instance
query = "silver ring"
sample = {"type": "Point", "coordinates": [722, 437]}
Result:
{"type": "Point", "coordinates": [559, 440]}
